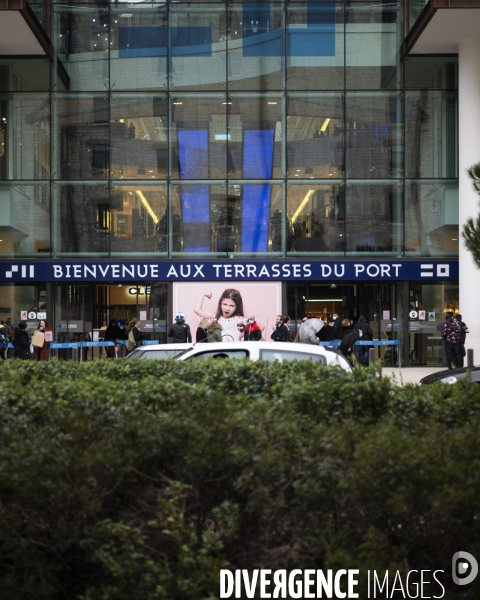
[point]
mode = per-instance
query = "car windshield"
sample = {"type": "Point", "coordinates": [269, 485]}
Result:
{"type": "Point", "coordinates": [288, 355]}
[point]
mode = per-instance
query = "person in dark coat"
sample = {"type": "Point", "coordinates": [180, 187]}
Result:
{"type": "Point", "coordinates": [21, 342]}
{"type": "Point", "coordinates": [335, 329]}
{"type": "Point", "coordinates": [348, 343]}
{"type": "Point", "coordinates": [451, 331]}
{"type": "Point", "coordinates": [461, 344]}
{"type": "Point", "coordinates": [180, 331]}
{"type": "Point", "coordinates": [113, 333]}
{"type": "Point", "coordinates": [201, 333]}
{"type": "Point", "coordinates": [367, 336]}
{"type": "Point", "coordinates": [280, 333]}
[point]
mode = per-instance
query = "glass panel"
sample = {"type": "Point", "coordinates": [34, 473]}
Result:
{"type": "Point", "coordinates": [315, 136]}
{"type": "Point", "coordinates": [221, 354]}
{"type": "Point", "coordinates": [24, 136]}
{"type": "Point", "coordinates": [431, 218]}
{"type": "Point", "coordinates": [315, 46]}
{"type": "Point", "coordinates": [138, 47]}
{"type": "Point", "coordinates": [243, 218]}
{"type": "Point", "coordinates": [83, 146]}
{"type": "Point", "coordinates": [431, 143]}
{"type": "Point", "coordinates": [433, 72]}
{"type": "Point", "coordinates": [198, 46]}
{"type": "Point", "coordinates": [374, 136]}
{"type": "Point", "coordinates": [316, 218]}
{"type": "Point", "coordinates": [285, 355]}
{"type": "Point", "coordinates": [84, 44]}
{"type": "Point", "coordinates": [138, 219]}
{"type": "Point", "coordinates": [255, 46]}
{"type": "Point", "coordinates": [415, 8]}
{"type": "Point", "coordinates": [17, 298]}
{"type": "Point", "coordinates": [24, 218]}
{"type": "Point", "coordinates": [85, 219]}
{"type": "Point", "coordinates": [374, 37]}
{"type": "Point", "coordinates": [199, 137]}
{"type": "Point", "coordinates": [374, 218]}
{"type": "Point", "coordinates": [24, 74]}
{"type": "Point", "coordinates": [255, 136]}
{"type": "Point", "coordinates": [139, 136]}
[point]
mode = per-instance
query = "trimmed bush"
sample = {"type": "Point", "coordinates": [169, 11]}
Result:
{"type": "Point", "coordinates": [142, 479]}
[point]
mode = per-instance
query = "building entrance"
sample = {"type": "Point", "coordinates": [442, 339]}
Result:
{"type": "Point", "coordinates": [82, 312]}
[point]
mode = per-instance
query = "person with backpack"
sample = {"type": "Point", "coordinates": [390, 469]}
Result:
{"type": "Point", "coordinates": [3, 341]}
{"type": "Point", "coordinates": [451, 333]}
{"type": "Point", "coordinates": [134, 335]}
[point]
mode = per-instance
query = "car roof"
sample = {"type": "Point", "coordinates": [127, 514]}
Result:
{"type": "Point", "coordinates": [236, 345]}
{"type": "Point", "coordinates": [439, 375]}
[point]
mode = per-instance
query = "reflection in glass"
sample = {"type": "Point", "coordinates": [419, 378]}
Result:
{"type": "Point", "coordinates": [431, 143]}
{"type": "Point", "coordinates": [84, 44]}
{"type": "Point", "coordinates": [255, 46]}
{"type": "Point", "coordinates": [24, 136]}
{"type": "Point", "coordinates": [138, 47]}
{"type": "Point", "coordinates": [315, 136]}
{"type": "Point", "coordinates": [431, 72]}
{"type": "Point", "coordinates": [138, 136]}
{"type": "Point", "coordinates": [374, 136]}
{"type": "Point", "coordinates": [254, 136]}
{"type": "Point", "coordinates": [431, 218]}
{"type": "Point", "coordinates": [316, 218]}
{"type": "Point", "coordinates": [82, 150]}
{"type": "Point", "coordinates": [198, 46]}
{"type": "Point", "coordinates": [315, 46]}
{"type": "Point", "coordinates": [24, 218]}
{"type": "Point", "coordinates": [374, 221]}
{"type": "Point", "coordinates": [374, 35]}
{"type": "Point", "coordinates": [199, 136]}
{"type": "Point", "coordinates": [243, 218]}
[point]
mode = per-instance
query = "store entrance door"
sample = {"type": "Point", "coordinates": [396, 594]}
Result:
{"type": "Point", "coordinates": [83, 312]}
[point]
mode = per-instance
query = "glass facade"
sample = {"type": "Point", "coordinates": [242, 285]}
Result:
{"type": "Point", "coordinates": [220, 128]}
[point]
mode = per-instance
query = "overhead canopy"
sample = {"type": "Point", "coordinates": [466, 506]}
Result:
{"type": "Point", "coordinates": [20, 31]}
{"type": "Point", "coordinates": [442, 25]}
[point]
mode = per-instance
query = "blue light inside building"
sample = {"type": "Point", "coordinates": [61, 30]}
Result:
{"type": "Point", "coordinates": [193, 157]}
{"type": "Point", "coordinates": [257, 164]}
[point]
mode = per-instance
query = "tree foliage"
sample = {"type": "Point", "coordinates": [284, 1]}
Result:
{"type": "Point", "coordinates": [471, 228]}
{"type": "Point", "coordinates": [142, 479]}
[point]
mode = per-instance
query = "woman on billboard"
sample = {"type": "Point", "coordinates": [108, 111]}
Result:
{"type": "Point", "coordinates": [229, 312]}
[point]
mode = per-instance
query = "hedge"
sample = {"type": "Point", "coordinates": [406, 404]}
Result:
{"type": "Point", "coordinates": [142, 479]}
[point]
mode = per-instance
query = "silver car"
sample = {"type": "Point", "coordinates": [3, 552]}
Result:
{"type": "Point", "coordinates": [270, 351]}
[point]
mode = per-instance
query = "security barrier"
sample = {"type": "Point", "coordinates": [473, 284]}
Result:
{"type": "Point", "coordinates": [336, 344]}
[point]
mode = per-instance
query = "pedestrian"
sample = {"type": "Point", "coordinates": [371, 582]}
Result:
{"type": "Point", "coordinates": [348, 343]}
{"type": "Point", "coordinates": [3, 340]}
{"type": "Point", "coordinates": [280, 330]}
{"type": "Point", "coordinates": [367, 336]}
{"type": "Point", "coordinates": [334, 330]}
{"type": "Point", "coordinates": [310, 331]}
{"type": "Point", "coordinates": [451, 331]}
{"type": "Point", "coordinates": [8, 329]}
{"type": "Point", "coordinates": [214, 331]}
{"type": "Point", "coordinates": [43, 352]}
{"type": "Point", "coordinates": [201, 333]}
{"type": "Point", "coordinates": [134, 335]}
{"type": "Point", "coordinates": [461, 344]}
{"type": "Point", "coordinates": [346, 326]}
{"type": "Point", "coordinates": [252, 332]}
{"type": "Point", "coordinates": [180, 331]}
{"type": "Point", "coordinates": [21, 342]}
{"type": "Point", "coordinates": [113, 333]}
{"type": "Point", "coordinates": [297, 335]}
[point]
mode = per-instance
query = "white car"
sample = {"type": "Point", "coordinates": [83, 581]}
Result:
{"type": "Point", "coordinates": [271, 351]}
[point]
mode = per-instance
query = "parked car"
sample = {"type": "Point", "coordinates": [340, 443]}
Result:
{"type": "Point", "coordinates": [159, 351]}
{"type": "Point", "coordinates": [271, 351]}
{"type": "Point", "coordinates": [452, 376]}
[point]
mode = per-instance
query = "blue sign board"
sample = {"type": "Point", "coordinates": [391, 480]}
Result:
{"type": "Point", "coordinates": [116, 271]}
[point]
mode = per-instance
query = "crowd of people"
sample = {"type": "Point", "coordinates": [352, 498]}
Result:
{"type": "Point", "coordinates": [342, 332]}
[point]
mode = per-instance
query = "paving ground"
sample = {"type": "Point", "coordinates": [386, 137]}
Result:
{"type": "Point", "coordinates": [409, 374]}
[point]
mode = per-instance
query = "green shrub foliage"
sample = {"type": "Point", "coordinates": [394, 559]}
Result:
{"type": "Point", "coordinates": [142, 479]}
